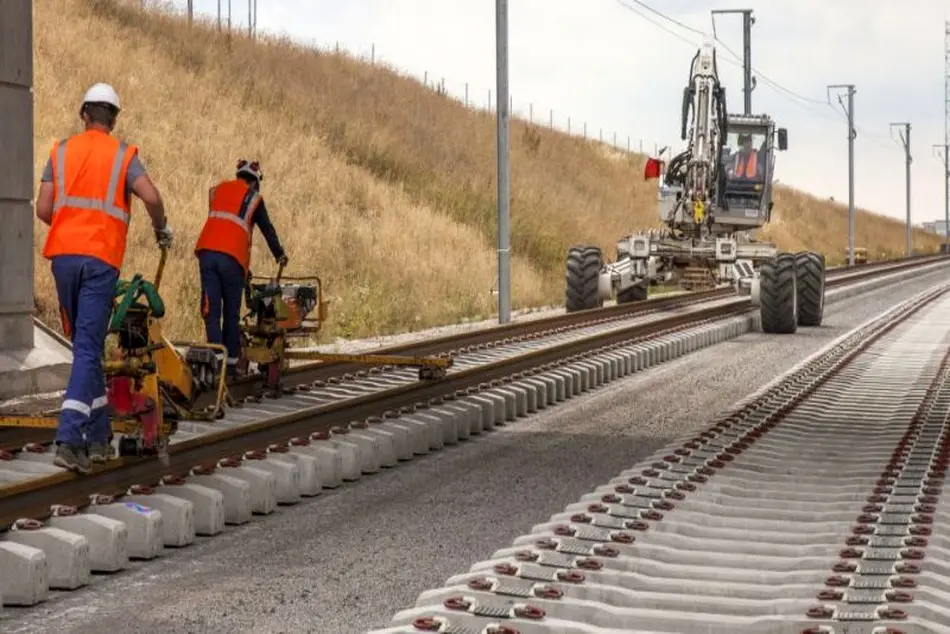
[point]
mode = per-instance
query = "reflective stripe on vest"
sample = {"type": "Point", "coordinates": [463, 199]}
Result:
{"type": "Point", "coordinates": [106, 206]}
{"type": "Point", "coordinates": [231, 205]}
{"type": "Point", "coordinates": [242, 218]}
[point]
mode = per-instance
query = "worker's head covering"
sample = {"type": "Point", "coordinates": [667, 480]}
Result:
{"type": "Point", "coordinates": [100, 106]}
{"type": "Point", "coordinates": [102, 94]}
{"type": "Point", "coordinates": [252, 169]}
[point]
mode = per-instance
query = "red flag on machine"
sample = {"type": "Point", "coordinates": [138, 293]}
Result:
{"type": "Point", "coordinates": [652, 169]}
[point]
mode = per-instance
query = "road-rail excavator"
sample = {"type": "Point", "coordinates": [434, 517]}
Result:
{"type": "Point", "coordinates": [711, 197]}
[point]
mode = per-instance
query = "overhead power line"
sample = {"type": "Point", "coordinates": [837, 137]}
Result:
{"type": "Point", "coordinates": [657, 24]}
{"type": "Point", "coordinates": [774, 84]}
{"type": "Point", "coordinates": [664, 16]}
{"type": "Point", "coordinates": [828, 111]}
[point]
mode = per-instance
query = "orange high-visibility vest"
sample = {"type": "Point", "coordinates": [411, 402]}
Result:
{"type": "Point", "coordinates": [91, 214]}
{"type": "Point", "coordinates": [230, 224]}
{"type": "Point", "coordinates": [746, 169]}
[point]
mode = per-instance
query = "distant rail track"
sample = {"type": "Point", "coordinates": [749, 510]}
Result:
{"type": "Point", "coordinates": [815, 507]}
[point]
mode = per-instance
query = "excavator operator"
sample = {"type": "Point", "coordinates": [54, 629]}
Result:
{"type": "Point", "coordinates": [745, 164]}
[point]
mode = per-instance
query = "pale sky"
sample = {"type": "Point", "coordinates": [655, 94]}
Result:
{"type": "Point", "coordinates": [623, 70]}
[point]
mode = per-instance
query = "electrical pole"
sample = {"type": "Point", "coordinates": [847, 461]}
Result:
{"type": "Point", "coordinates": [747, 59]}
{"type": "Point", "coordinates": [748, 80]}
{"type": "Point", "coordinates": [946, 135]}
{"type": "Point", "coordinates": [942, 157]}
{"type": "Point", "coordinates": [219, 15]}
{"type": "Point", "coordinates": [191, 11]}
{"type": "Point", "coordinates": [504, 195]}
{"type": "Point", "coordinates": [851, 135]}
{"type": "Point", "coordinates": [252, 19]}
{"type": "Point", "coordinates": [905, 141]}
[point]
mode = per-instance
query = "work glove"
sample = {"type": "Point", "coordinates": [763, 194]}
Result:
{"type": "Point", "coordinates": [282, 260]}
{"type": "Point", "coordinates": [164, 236]}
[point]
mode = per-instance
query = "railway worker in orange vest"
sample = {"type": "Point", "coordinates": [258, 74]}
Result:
{"type": "Point", "coordinates": [745, 161]}
{"type": "Point", "coordinates": [85, 198]}
{"type": "Point", "coordinates": [223, 249]}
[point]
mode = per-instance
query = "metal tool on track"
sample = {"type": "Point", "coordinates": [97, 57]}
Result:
{"type": "Point", "coordinates": [284, 309]}
{"type": "Point", "coordinates": [149, 383]}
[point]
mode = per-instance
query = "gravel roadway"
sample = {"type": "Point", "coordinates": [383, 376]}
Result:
{"type": "Point", "coordinates": [347, 560]}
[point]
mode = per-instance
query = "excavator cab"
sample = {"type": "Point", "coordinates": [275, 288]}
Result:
{"type": "Point", "coordinates": [745, 172]}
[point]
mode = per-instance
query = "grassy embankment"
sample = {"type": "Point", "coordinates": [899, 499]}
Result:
{"type": "Point", "coordinates": [383, 187]}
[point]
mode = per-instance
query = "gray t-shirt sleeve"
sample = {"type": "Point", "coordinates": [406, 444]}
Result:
{"type": "Point", "coordinates": [47, 176]}
{"type": "Point", "coordinates": [135, 170]}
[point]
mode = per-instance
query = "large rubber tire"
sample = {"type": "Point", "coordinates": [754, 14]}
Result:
{"type": "Point", "coordinates": [778, 295]}
{"type": "Point", "coordinates": [810, 267]}
{"type": "Point", "coordinates": [636, 293]}
{"type": "Point", "coordinates": [583, 272]}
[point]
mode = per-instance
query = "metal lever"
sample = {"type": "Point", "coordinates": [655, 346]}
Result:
{"type": "Point", "coordinates": [161, 267]}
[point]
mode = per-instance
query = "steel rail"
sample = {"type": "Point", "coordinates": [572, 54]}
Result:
{"type": "Point", "coordinates": [33, 498]}
{"type": "Point", "coordinates": [447, 344]}
{"type": "Point", "coordinates": [453, 344]}
{"type": "Point", "coordinates": [14, 439]}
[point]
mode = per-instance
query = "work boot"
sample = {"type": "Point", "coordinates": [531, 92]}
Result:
{"type": "Point", "coordinates": [101, 453]}
{"type": "Point", "coordinates": [72, 458]}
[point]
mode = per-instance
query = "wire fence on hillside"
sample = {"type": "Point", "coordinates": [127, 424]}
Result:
{"type": "Point", "coordinates": [481, 98]}
{"type": "Point", "coordinates": [485, 99]}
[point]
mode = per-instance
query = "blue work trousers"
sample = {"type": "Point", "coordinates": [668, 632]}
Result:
{"type": "Point", "coordinates": [86, 289]}
{"type": "Point", "coordinates": [222, 289]}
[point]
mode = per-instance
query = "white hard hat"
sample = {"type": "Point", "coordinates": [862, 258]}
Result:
{"type": "Point", "coordinates": [102, 93]}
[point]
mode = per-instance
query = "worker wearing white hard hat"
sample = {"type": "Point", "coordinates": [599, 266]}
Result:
{"type": "Point", "coordinates": [85, 198]}
{"type": "Point", "coordinates": [101, 94]}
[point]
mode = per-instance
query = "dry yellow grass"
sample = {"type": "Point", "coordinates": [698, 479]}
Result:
{"type": "Point", "coordinates": [383, 187]}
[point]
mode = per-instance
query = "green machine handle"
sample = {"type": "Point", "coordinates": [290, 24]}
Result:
{"type": "Point", "coordinates": [131, 292]}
